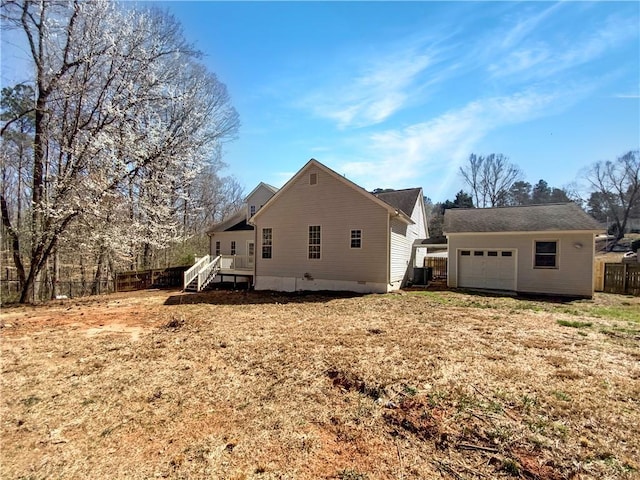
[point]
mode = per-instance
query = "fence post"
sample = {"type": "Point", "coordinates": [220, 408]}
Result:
{"type": "Point", "coordinates": [625, 278]}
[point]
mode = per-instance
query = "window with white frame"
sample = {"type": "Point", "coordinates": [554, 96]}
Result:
{"type": "Point", "coordinates": [546, 254]}
{"type": "Point", "coordinates": [314, 241]}
{"type": "Point", "coordinates": [217, 248]}
{"type": "Point", "coordinates": [233, 247]}
{"type": "Point", "coordinates": [356, 238]}
{"type": "Point", "coordinates": [267, 242]}
{"type": "Point", "coordinates": [252, 210]}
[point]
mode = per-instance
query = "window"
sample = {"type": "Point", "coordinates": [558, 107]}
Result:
{"type": "Point", "coordinates": [267, 242]}
{"type": "Point", "coordinates": [313, 178]}
{"type": "Point", "coordinates": [546, 255]}
{"type": "Point", "coordinates": [492, 254]}
{"type": "Point", "coordinates": [217, 248]}
{"type": "Point", "coordinates": [252, 210]}
{"type": "Point", "coordinates": [356, 238]}
{"type": "Point", "coordinates": [465, 253]}
{"type": "Point", "coordinates": [507, 254]}
{"type": "Point", "coordinates": [478, 253]}
{"type": "Point", "coordinates": [233, 247]}
{"type": "Point", "coordinates": [314, 241]}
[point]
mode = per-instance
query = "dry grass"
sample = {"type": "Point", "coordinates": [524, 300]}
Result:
{"type": "Point", "coordinates": [246, 385]}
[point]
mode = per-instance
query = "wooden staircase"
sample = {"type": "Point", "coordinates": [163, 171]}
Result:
{"type": "Point", "coordinates": [201, 274]}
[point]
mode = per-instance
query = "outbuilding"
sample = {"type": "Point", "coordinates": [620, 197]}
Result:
{"type": "Point", "coordinates": [536, 249]}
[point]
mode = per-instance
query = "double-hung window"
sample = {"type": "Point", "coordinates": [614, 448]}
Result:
{"type": "Point", "coordinates": [356, 238]}
{"type": "Point", "coordinates": [233, 247]}
{"type": "Point", "coordinates": [267, 242]}
{"type": "Point", "coordinates": [217, 248]}
{"type": "Point", "coordinates": [314, 241]}
{"type": "Point", "coordinates": [546, 254]}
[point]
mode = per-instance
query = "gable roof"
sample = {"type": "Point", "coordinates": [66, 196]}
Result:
{"type": "Point", "coordinates": [238, 221]}
{"type": "Point", "coordinates": [271, 188]}
{"type": "Point", "coordinates": [530, 218]}
{"type": "Point", "coordinates": [313, 162]}
{"type": "Point", "coordinates": [404, 200]}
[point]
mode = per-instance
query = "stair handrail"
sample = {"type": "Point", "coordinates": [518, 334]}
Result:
{"type": "Point", "coordinates": [205, 273]}
{"type": "Point", "coordinates": [192, 273]}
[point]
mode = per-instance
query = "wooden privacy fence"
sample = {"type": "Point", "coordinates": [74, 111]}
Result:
{"type": "Point", "coordinates": [141, 279]}
{"type": "Point", "coordinates": [622, 278]}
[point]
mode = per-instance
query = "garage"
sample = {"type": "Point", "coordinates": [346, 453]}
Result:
{"type": "Point", "coordinates": [487, 268]}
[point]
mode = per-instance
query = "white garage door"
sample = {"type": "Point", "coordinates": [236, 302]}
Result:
{"type": "Point", "coordinates": [486, 268]}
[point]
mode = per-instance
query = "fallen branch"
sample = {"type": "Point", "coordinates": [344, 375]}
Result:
{"type": "Point", "coordinates": [470, 446]}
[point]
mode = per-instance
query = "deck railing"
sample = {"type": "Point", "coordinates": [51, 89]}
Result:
{"type": "Point", "coordinates": [207, 272]}
{"type": "Point", "coordinates": [236, 262]}
{"type": "Point", "coordinates": [192, 273]}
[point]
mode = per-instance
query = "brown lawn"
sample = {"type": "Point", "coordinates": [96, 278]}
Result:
{"type": "Point", "coordinates": [239, 385]}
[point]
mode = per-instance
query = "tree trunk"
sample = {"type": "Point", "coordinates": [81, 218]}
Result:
{"type": "Point", "coordinates": [56, 275]}
{"type": "Point", "coordinates": [95, 288]}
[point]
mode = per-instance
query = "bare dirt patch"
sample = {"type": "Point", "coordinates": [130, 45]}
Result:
{"type": "Point", "coordinates": [261, 385]}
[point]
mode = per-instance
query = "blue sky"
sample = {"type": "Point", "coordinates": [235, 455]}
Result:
{"type": "Point", "coordinates": [397, 95]}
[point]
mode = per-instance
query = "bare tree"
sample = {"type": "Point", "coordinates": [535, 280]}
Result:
{"type": "Point", "coordinates": [17, 104]}
{"type": "Point", "coordinates": [490, 179]}
{"type": "Point", "coordinates": [123, 111]}
{"type": "Point", "coordinates": [616, 186]}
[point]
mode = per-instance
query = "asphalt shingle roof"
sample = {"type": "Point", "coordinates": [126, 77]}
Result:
{"type": "Point", "coordinates": [530, 218]}
{"type": "Point", "coordinates": [403, 200]}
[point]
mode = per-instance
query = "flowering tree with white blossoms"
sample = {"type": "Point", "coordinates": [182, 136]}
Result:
{"type": "Point", "coordinates": [125, 116]}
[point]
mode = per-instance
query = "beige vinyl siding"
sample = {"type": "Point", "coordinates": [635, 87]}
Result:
{"type": "Point", "coordinates": [241, 237]}
{"type": "Point", "coordinates": [338, 209]}
{"type": "Point", "coordinates": [258, 198]}
{"type": "Point", "coordinates": [573, 275]}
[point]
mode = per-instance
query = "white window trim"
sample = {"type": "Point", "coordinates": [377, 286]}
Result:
{"type": "Point", "coordinates": [351, 230]}
{"type": "Point", "coordinates": [262, 245]}
{"type": "Point", "coordinates": [557, 254]}
{"type": "Point", "coordinates": [309, 245]}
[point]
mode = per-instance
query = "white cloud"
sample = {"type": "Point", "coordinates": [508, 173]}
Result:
{"type": "Point", "coordinates": [552, 56]}
{"type": "Point", "coordinates": [397, 158]}
{"type": "Point", "coordinates": [379, 89]}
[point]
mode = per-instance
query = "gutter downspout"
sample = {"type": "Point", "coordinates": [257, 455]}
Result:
{"type": "Point", "coordinates": [255, 252]}
{"type": "Point", "coordinates": [388, 250]}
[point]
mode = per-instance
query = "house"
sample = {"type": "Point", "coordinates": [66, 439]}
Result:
{"type": "Point", "coordinates": [538, 249]}
{"type": "Point", "coordinates": [233, 240]}
{"type": "Point", "coordinates": [320, 231]}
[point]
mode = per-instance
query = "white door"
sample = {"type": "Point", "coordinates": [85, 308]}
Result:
{"type": "Point", "coordinates": [251, 251]}
{"type": "Point", "coordinates": [487, 268]}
